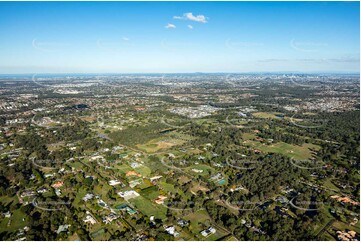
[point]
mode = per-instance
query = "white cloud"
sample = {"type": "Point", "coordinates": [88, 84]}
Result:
{"type": "Point", "coordinates": [170, 26]}
{"type": "Point", "coordinates": [191, 17]}
{"type": "Point", "coordinates": [190, 26]}
{"type": "Point", "coordinates": [198, 18]}
{"type": "Point", "coordinates": [125, 39]}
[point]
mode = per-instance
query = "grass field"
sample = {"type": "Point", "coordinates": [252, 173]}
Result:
{"type": "Point", "coordinates": [230, 238]}
{"type": "Point", "coordinates": [248, 136]}
{"type": "Point", "coordinates": [184, 179]}
{"type": "Point", "coordinates": [80, 194]}
{"type": "Point", "coordinates": [159, 144]}
{"type": "Point", "coordinates": [197, 220]}
{"type": "Point", "coordinates": [102, 190]}
{"type": "Point", "coordinates": [143, 170]}
{"type": "Point", "coordinates": [198, 187]}
{"type": "Point", "coordinates": [266, 115]}
{"type": "Point", "coordinates": [216, 236]}
{"type": "Point", "coordinates": [200, 220]}
{"type": "Point", "coordinates": [293, 151]}
{"type": "Point", "coordinates": [148, 207]}
{"type": "Point", "coordinates": [54, 147]}
{"type": "Point", "coordinates": [74, 237]}
{"type": "Point", "coordinates": [326, 236]}
{"type": "Point", "coordinates": [164, 142]}
{"type": "Point", "coordinates": [76, 165]}
{"type": "Point", "coordinates": [138, 135]}
{"type": "Point", "coordinates": [16, 221]}
{"type": "Point", "coordinates": [343, 226]}
{"type": "Point", "coordinates": [6, 200]}
{"type": "Point", "coordinates": [98, 235]}
{"type": "Point", "coordinates": [123, 168]}
{"type": "Point", "coordinates": [330, 185]}
{"type": "Point", "coordinates": [145, 184]}
{"type": "Point", "coordinates": [150, 193]}
{"type": "Point", "coordinates": [167, 187]}
{"type": "Point", "coordinates": [330, 234]}
{"type": "Point", "coordinates": [317, 227]}
{"type": "Point", "coordinates": [205, 169]}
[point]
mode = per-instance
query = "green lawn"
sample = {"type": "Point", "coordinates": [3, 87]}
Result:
{"type": "Point", "coordinates": [167, 187]}
{"type": "Point", "coordinates": [219, 234]}
{"type": "Point", "coordinates": [248, 136]}
{"type": "Point", "coordinates": [102, 190]}
{"type": "Point", "coordinates": [197, 219]}
{"type": "Point", "coordinates": [293, 151]}
{"type": "Point", "coordinates": [150, 193]}
{"type": "Point", "coordinates": [123, 168]}
{"type": "Point", "coordinates": [145, 184]}
{"type": "Point", "coordinates": [79, 195]}
{"type": "Point", "coordinates": [144, 170]}
{"type": "Point", "coordinates": [326, 236]}
{"type": "Point", "coordinates": [76, 165]}
{"type": "Point", "coordinates": [148, 207]}
{"type": "Point", "coordinates": [266, 114]}
{"type": "Point", "coordinates": [330, 185]}
{"type": "Point", "coordinates": [16, 221]}
{"type": "Point", "coordinates": [6, 200]}
{"type": "Point", "coordinates": [164, 142]}
{"type": "Point", "coordinates": [205, 169]}
{"type": "Point", "coordinates": [99, 235]}
{"type": "Point", "coordinates": [343, 226]}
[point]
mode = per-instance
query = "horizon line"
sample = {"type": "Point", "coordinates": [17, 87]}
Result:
{"type": "Point", "coordinates": [196, 72]}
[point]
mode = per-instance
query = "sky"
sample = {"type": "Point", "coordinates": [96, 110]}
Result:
{"type": "Point", "coordinates": [179, 37]}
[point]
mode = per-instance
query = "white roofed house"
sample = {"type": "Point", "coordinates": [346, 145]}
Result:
{"type": "Point", "coordinates": [88, 196]}
{"type": "Point", "coordinates": [182, 223]}
{"type": "Point", "coordinates": [134, 183]}
{"type": "Point", "coordinates": [171, 230]}
{"type": "Point", "coordinates": [7, 214]}
{"type": "Point", "coordinates": [135, 165]}
{"type": "Point", "coordinates": [108, 219]}
{"type": "Point", "coordinates": [42, 190]}
{"type": "Point", "coordinates": [114, 182]}
{"type": "Point", "coordinates": [208, 231]}
{"type": "Point", "coordinates": [128, 194]}
{"type": "Point", "coordinates": [63, 228]}
{"type": "Point", "coordinates": [155, 178]}
{"type": "Point", "coordinates": [89, 218]}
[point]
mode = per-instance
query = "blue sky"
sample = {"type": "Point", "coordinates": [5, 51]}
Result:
{"type": "Point", "coordinates": [127, 37]}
